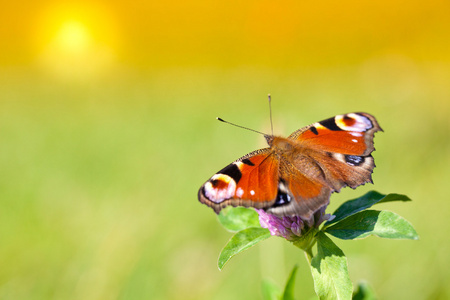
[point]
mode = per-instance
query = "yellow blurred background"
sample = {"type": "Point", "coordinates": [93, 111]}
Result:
{"type": "Point", "coordinates": [107, 131]}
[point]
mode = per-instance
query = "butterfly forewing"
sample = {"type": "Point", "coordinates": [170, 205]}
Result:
{"type": "Point", "coordinates": [249, 181]}
{"type": "Point", "coordinates": [350, 134]}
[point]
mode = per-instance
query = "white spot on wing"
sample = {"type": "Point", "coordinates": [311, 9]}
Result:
{"type": "Point", "coordinates": [319, 126]}
{"type": "Point", "coordinates": [357, 134]}
{"type": "Point", "coordinates": [339, 157]}
{"type": "Point", "coordinates": [282, 187]}
{"type": "Point", "coordinates": [218, 195]}
{"type": "Point", "coordinates": [362, 123]}
{"type": "Point", "coordinates": [238, 164]}
{"type": "Point", "coordinates": [252, 192]}
{"type": "Point", "coordinates": [239, 192]}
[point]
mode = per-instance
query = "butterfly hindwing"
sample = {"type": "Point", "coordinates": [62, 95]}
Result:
{"type": "Point", "coordinates": [298, 193]}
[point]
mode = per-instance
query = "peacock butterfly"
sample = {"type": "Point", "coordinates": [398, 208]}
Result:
{"type": "Point", "coordinates": [296, 175]}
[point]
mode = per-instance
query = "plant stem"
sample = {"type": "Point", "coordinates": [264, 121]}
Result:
{"type": "Point", "coordinates": [306, 242]}
{"type": "Point", "coordinates": [309, 255]}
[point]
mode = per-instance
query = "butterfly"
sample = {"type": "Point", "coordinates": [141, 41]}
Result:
{"type": "Point", "coordinates": [296, 175]}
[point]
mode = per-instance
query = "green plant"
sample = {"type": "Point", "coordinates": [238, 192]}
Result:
{"type": "Point", "coordinates": [352, 220]}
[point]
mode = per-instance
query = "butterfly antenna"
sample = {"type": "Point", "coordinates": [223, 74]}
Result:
{"type": "Point", "coordinates": [270, 111]}
{"type": "Point", "coordinates": [222, 120]}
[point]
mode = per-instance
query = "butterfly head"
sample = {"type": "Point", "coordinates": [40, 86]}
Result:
{"type": "Point", "coordinates": [269, 139]}
{"type": "Point", "coordinates": [280, 144]}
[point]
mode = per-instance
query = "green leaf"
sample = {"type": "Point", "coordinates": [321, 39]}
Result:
{"type": "Point", "coordinates": [238, 218]}
{"type": "Point", "coordinates": [329, 271]}
{"type": "Point", "coordinates": [354, 206]}
{"type": "Point", "coordinates": [270, 290]}
{"type": "Point", "coordinates": [241, 241]}
{"type": "Point", "coordinates": [364, 292]}
{"type": "Point", "coordinates": [394, 197]}
{"type": "Point", "coordinates": [383, 224]}
{"type": "Point", "coordinates": [288, 293]}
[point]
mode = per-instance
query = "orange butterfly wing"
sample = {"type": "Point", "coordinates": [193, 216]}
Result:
{"type": "Point", "coordinates": [251, 180]}
{"type": "Point", "coordinates": [299, 193]}
{"type": "Point", "coordinates": [350, 134]}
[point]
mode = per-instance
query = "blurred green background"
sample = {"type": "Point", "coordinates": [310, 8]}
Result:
{"type": "Point", "coordinates": [107, 131]}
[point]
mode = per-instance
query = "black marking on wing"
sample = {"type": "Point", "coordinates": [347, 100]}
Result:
{"type": "Point", "coordinates": [354, 160]}
{"type": "Point", "coordinates": [346, 117]}
{"type": "Point", "coordinates": [233, 171]}
{"type": "Point", "coordinates": [330, 124]}
{"type": "Point", "coordinates": [248, 162]}
{"type": "Point", "coordinates": [314, 130]}
{"type": "Point", "coordinates": [282, 197]}
{"type": "Point", "coordinates": [202, 191]}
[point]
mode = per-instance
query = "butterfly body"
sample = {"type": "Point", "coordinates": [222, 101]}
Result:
{"type": "Point", "coordinates": [296, 175]}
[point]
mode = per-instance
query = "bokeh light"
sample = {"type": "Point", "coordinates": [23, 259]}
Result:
{"type": "Point", "coordinates": [76, 42]}
{"type": "Point", "coordinates": [73, 37]}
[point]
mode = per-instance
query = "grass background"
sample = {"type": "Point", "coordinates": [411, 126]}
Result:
{"type": "Point", "coordinates": [102, 151]}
